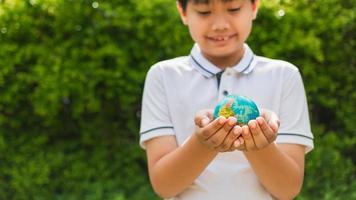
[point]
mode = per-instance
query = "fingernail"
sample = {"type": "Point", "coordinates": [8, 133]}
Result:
{"type": "Point", "coordinates": [245, 131]}
{"type": "Point", "coordinates": [221, 120]}
{"type": "Point", "coordinates": [232, 121]}
{"type": "Point", "coordinates": [241, 140]}
{"type": "Point", "coordinates": [229, 103]}
{"type": "Point", "coordinates": [253, 124]}
{"type": "Point", "coordinates": [237, 130]}
{"type": "Point", "coordinates": [275, 128]}
{"type": "Point", "coordinates": [237, 143]}
{"type": "Point", "coordinates": [204, 121]}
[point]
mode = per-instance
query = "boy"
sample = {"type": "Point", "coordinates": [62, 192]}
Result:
{"type": "Point", "coordinates": [192, 156]}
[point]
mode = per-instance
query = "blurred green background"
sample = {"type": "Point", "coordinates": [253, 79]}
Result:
{"type": "Point", "coordinates": [71, 80]}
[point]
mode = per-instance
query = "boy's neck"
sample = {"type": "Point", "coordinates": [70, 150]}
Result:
{"type": "Point", "coordinates": [226, 61]}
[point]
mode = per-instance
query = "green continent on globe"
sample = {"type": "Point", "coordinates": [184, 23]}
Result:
{"type": "Point", "coordinates": [243, 108]}
{"type": "Point", "coordinates": [226, 112]}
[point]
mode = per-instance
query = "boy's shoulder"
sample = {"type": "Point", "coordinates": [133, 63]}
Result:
{"type": "Point", "coordinates": [270, 64]}
{"type": "Point", "coordinates": [182, 61]}
{"type": "Point", "coordinates": [172, 66]}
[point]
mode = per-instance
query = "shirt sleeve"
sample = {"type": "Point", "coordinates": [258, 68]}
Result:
{"type": "Point", "coordinates": [155, 117]}
{"type": "Point", "coordinates": [293, 113]}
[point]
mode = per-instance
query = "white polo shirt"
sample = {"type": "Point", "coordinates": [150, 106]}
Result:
{"type": "Point", "coordinates": [176, 89]}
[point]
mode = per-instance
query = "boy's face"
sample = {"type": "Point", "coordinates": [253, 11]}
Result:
{"type": "Point", "coordinates": [220, 27]}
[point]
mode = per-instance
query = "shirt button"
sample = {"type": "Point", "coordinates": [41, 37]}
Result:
{"type": "Point", "coordinates": [225, 93]}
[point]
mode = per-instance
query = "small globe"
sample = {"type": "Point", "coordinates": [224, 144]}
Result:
{"type": "Point", "coordinates": [241, 107]}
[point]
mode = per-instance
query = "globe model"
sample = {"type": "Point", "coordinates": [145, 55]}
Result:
{"type": "Point", "coordinates": [241, 107]}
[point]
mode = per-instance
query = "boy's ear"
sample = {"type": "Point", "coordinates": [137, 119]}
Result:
{"type": "Point", "coordinates": [182, 13]}
{"type": "Point", "coordinates": [255, 7]}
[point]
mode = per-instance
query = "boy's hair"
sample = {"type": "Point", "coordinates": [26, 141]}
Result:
{"type": "Point", "coordinates": [184, 3]}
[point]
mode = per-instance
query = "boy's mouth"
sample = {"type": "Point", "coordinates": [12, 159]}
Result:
{"type": "Point", "coordinates": [220, 38]}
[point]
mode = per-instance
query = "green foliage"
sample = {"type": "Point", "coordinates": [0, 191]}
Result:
{"type": "Point", "coordinates": [71, 77]}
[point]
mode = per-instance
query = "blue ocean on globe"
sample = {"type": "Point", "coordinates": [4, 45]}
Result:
{"type": "Point", "coordinates": [241, 107]}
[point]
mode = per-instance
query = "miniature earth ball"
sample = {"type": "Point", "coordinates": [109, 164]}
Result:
{"type": "Point", "coordinates": [243, 108]}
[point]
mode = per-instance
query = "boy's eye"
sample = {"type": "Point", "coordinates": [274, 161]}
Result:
{"type": "Point", "coordinates": [204, 13]}
{"type": "Point", "coordinates": [234, 9]}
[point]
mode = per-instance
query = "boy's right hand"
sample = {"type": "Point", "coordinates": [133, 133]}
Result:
{"type": "Point", "coordinates": [219, 134]}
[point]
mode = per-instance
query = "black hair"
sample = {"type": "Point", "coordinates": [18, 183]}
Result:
{"type": "Point", "coordinates": [184, 3]}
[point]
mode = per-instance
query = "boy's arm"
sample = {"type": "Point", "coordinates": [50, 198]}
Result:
{"type": "Point", "coordinates": [280, 168]}
{"type": "Point", "coordinates": [172, 169]}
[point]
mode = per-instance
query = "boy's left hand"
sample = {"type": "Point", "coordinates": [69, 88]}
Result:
{"type": "Point", "coordinates": [260, 132]}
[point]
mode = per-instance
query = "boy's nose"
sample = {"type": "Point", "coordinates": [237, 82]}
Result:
{"type": "Point", "coordinates": [220, 23]}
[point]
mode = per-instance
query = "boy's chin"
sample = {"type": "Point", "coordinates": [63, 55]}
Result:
{"type": "Point", "coordinates": [223, 54]}
{"type": "Point", "coordinates": [225, 49]}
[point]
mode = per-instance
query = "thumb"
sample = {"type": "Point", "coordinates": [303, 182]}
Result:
{"type": "Point", "coordinates": [203, 117]}
{"type": "Point", "coordinates": [274, 123]}
{"type": "Point", "coordinates": [205, 121]}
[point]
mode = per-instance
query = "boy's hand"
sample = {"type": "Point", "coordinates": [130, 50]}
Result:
{"type": "Point", "coordinates": [260, 132]}
{"type": "Point", "coordinates": [220, 134]}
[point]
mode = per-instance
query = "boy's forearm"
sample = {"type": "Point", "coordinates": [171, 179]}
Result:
{"type": "Point", "coordinates": [177, 170]}
{"type": "Point", "coordinates": [278, 172]}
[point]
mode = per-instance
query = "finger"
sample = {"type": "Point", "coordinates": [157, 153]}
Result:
{"type": "Point", "coordinates": [249, 143]}
{"type": "Point", "coordinates": [257, 135]}
{"type": "Point", "coordinates": [239, 144]}
{"type": "Point", "coordinates": [229, 103]}
{"type": "Point", "coordinates": [201, 121]}
{"type": "Point", "coordinates": [231, 122]}
{"type": "Point", "coordinates": [274, 123]}
{"type": "Point", "coordinates": [202, 115]}
{"type": "Point", "coordinates": [238, 131]}
{"type": "Point", "coordinates": [218, 138]}
{"type": "Point", "coordinates": [205, 121]}
{"type": "Point", "coordinates": [198, 120]}
{"type": "Point", "coordinates": [263, 113]}
{"type": "Point", "coordinates": [206, 132]}
{"type": "Point", "coordinates": [266, 129]}
{"type": "Point", "coordinates": [209, 114]}
{"type": "Point", "coordinates": [274, 126]}
{"type": "Point", "coordinates": [271, 118]}
{"type": "Point", "coordinates": [228, 143]}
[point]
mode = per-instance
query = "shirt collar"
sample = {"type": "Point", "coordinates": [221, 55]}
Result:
{"type": "Point", "coordinates": [208, 69]}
